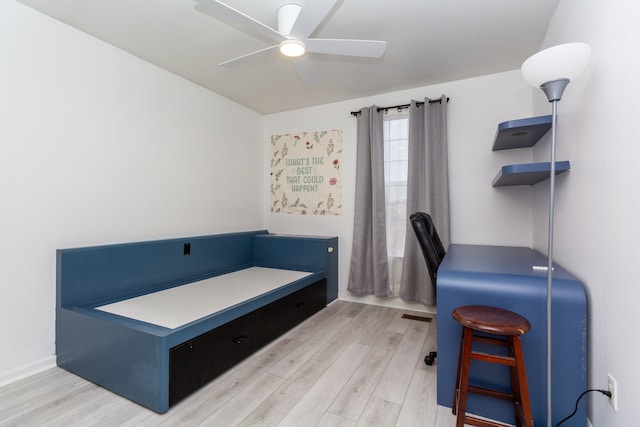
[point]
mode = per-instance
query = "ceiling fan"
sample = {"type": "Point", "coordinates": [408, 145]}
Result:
{"type": "Point", "coordinates": [295, 24]}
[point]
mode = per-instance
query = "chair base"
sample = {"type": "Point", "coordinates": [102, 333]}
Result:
{"type": "Point", "coordinates": [430, 358]}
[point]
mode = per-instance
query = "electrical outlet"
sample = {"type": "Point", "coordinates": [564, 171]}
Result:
{"type": "Point", "coordinates": [613, 388]}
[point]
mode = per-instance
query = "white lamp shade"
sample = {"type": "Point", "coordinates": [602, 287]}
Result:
{"type": "Point", "coordinates": [566, 61]}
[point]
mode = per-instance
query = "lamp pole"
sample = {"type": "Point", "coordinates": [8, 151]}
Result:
{"type": "Point", "coordinates": [552, 187]}
{"type": "Point", "coordinates": [551, 70]}
{"type": "Point", "coordinates": [553, 90]}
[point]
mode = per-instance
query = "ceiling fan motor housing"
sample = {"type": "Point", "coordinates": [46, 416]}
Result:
{"type": "Point", "coordinates": [287, 15]}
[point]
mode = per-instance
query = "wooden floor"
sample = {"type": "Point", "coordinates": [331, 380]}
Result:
{"type": "Point", "coordinates": [349, 365]}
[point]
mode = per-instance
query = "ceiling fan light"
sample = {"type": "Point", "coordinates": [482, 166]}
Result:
{"type": "Point", "coordinates": [292, 48]}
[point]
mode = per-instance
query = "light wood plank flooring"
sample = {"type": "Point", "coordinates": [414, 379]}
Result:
{"type": "Point", "coordinates": [349, 365]}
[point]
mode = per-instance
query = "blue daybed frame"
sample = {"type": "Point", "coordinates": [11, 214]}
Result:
{"type": "Point", "coordinates": [133, 358]}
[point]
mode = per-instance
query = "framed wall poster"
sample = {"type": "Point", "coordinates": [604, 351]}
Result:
{"type": "Point", "coordinates": [306, 176]}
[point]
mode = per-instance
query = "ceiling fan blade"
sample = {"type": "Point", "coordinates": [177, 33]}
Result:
{"type": "Point", "coordinates": [249, 56]}
{"type": "Point", "coordinates": [347, 47]}
{"type": "Point", "coordinates": [312, 13]}
{"type": "Point", "coordinates": [306, 70]}
{"type": "Point", "coordinates": [245, 21]}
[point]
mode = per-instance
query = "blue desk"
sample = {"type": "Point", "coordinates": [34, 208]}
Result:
{"type": "Point", "coordinates": [504, 277]}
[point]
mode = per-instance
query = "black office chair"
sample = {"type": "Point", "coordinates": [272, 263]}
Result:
{"type": "Point", "coordinates": [433, 252]}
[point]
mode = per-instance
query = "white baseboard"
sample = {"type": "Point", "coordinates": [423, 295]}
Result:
{"type": "Point", "coordinates": [27, 371]}
{"type": "Point", "coordinates": [393, 302]}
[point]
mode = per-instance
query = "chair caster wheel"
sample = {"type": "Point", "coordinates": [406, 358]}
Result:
{"type": "Point", "coordinates": [430, 358]}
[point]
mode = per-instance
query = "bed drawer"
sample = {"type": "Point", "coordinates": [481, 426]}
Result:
{"type": "Point", "coordinates": [195, 362]}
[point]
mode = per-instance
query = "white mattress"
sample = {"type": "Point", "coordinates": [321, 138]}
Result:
{"type": "Point", "coordinates": [178, 306]}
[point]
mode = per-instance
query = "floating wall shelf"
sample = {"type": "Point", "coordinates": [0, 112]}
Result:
{"type": "Point", "coordinates": [524, 133]}
{"type": "Point", "coordinates": [528, 173]}
{"type": "Point", "coordinates": [521, 133]}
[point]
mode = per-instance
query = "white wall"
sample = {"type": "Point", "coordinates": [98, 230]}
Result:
{"type": "Point", "coordinates": [480, 214]}
{"type": "Point", "coordinates": [96, 147]}
{"type": "Point", "coordinates": [598, 203]}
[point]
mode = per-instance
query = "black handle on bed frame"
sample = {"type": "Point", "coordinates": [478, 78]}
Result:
{"type": "Point", "coordinates": [240, 339]}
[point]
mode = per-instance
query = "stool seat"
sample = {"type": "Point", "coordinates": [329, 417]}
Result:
{"type": "Point", "coordinates": [492, 320]}
{"type": "Point", "coordinates": [498, 327]}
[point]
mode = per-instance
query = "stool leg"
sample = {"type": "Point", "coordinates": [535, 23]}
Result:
{"type": "Point", "coordinates": [463, 385]}
{"type": "Point", "coordinates": [515, 383]}
{"type": "Point", "coordinates": [519, 385]}
{"type": "Point", "coordinates": [456, 389]}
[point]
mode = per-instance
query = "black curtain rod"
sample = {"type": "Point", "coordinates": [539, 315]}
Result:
{"type": "Point", "coordinates": [400, 107]}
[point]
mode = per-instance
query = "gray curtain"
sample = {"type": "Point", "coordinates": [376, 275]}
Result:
{"type": "Point", "coordinates": [427, 191]}
{"type": "Point", "coordinates": [369, 272]}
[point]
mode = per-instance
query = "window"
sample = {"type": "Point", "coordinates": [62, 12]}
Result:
{"type": "Point", "coordinates": [396, 162]}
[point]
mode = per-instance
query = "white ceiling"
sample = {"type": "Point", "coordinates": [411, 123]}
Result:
{"type": "Point", "coordinates": [428, 42]}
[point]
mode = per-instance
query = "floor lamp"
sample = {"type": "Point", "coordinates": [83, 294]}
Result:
{"type": "Point", "coordinates": [551, 70]}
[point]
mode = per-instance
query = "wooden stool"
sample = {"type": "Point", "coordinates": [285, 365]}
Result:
{"type": "Point", "coordinates": [492, 321]}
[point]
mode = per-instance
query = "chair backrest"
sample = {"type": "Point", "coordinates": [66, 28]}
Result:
{"type": "Point", "coordinates": [429, 241]}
